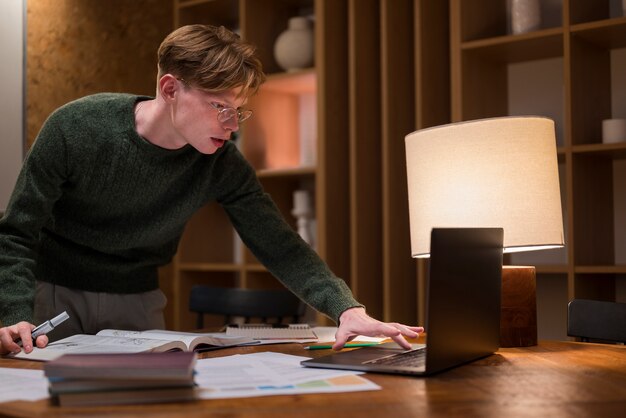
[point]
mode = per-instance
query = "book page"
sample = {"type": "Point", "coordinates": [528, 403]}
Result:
{"type": "Point", "coordinates": [82, 343]}
{"type": "Point", "coordinates": [153, 334]}
{"type": "Point", "coordinates": [190, 339]}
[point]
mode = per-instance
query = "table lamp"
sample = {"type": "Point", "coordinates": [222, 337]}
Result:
{"type": "Point", "coordinates": [496, 172]}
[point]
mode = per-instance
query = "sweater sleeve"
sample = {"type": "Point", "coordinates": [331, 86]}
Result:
{"type": "Point", "coordinates": [276, 245]}
{"type": "Point", "coordinates": [37, 188]}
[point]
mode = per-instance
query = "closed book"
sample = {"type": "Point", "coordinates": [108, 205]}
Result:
{"type": "Point", "coordinates": [57, 386]}
{"type": "Point", "coordinates": [173, 365]}
{"type": "Point", "coordinates": [126, 397]}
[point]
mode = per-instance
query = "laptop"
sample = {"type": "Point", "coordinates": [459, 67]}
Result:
{"type": "Point", "coordinates": [463, 309]}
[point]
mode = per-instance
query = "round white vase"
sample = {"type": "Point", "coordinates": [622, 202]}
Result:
{"type": "Point", "coordinates": [525, 16]}
{"type": "Point", "coordinates": [295, 47]}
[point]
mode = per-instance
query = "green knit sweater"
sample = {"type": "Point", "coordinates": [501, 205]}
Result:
{"type": "Point", "coordinates": [98, 208]}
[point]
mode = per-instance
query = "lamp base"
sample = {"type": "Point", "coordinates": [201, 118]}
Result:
{"type": "Point", "coordinates": [518, 317]}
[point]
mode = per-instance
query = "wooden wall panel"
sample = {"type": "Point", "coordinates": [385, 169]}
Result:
{"type": "Point", "coordinates": [398, 120]}
{"type": "Point", "coordinates": [333, 204]}
{"type": "Point", "coordinates": [365, 154]}
{"type": "Point", "coordinates": [399, 82]}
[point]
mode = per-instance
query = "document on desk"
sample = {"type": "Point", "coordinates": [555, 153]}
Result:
{"type": "Point", "coordinates": [268, 373]}
{"type": "Point", "coordinates": [327, 334]}
{"type": "Point", "coordinates": [22, 385]}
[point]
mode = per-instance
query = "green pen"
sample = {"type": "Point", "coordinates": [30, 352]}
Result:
{"type": "Point", "coordinates": [347, 345]}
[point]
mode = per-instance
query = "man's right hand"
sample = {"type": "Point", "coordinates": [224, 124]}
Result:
{"type": "Point", "coordinates": [21, 330]}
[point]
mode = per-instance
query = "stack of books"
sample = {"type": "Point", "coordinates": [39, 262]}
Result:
{"type": "Point", "coordinates": [116, 379]}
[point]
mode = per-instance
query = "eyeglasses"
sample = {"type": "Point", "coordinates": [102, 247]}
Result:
{"type": "Point", "coordinates": [224, 114]}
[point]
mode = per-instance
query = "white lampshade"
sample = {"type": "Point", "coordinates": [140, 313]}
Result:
{"type": "Point", "coordinates": [498, 172]}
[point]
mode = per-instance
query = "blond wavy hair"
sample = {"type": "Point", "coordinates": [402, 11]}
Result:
{"type": "Point", "coordinates": [211, 58]}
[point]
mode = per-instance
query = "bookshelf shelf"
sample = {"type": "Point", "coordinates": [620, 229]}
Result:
{"type": "Point", "coordinates": [614, 151]}
{"type": "Point", "coordinates": [542, 44]}
{"type": "Point", "coordinates": [604, 269]}
{"type": "Point", "coordinates": [287, 172]}
{"type": "Point", "coordinates": [205, 267]}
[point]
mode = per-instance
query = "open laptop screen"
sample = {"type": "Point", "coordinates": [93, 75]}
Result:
{"type": "Point", "coordinates": [463, 312]}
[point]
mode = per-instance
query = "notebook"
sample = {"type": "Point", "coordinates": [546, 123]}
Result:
{"type": "Point", "coordinates": [272, 331]}
{"type": "Point", "coordinates": [463, 309]}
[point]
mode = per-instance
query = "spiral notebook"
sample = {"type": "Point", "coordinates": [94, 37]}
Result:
{"type": "Point", "coordinates": [296, 332]}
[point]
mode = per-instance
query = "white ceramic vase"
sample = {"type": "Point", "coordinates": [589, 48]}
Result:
{"type": "Point", "coordinates": [525, 16]}
{"type": "Point", "coordinates": [294, 48]}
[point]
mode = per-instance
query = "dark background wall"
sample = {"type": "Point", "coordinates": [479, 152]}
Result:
{"type": "Point", "coordinates": [79, 47]}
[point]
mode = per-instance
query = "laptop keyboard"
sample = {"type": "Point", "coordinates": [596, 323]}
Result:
{"type": "Point", "coordinates": [414, 358]}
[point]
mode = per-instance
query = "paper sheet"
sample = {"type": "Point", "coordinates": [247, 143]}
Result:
{"type": "Point", "coordinates": [268, 373]}
{"type": "Point", "coordinates": [327, 334]}
{"type": "Point", "coordinates": [22, 385]}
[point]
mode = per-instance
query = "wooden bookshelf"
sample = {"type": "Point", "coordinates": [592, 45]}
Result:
{"type": "Point", "coordinates": [579, 39]}
{"type": "Point", "coordinates": [384, 69]}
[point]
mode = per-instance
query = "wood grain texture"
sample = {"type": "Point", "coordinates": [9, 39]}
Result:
{"type": "Point", "coordinates": [518, 321]}
{"type": "Point", "coordinates": [550, 379]}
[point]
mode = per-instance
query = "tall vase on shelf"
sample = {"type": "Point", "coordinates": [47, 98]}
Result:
{"type": "Point", "coordinates": [303, 212]}
{"type": "Point", "coordinates": [525, 16]}
{"type": "Point", "coordinates": [294, 48]}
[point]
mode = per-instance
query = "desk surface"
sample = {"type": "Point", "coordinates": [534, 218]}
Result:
{"type": "Point", "coordinates": [552, 379]}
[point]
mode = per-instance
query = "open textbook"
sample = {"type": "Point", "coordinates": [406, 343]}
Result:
{"type": "Point", "coordinates": [121, 341]}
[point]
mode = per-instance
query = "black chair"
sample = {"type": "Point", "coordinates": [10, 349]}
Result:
{"type": "Point", "coordinates": [270, 306]}
{"type": "Point", "coordinates": [594, 320]}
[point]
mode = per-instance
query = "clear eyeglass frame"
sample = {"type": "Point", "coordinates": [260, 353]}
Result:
{"type": "Point", "coordinates": [224, 113]}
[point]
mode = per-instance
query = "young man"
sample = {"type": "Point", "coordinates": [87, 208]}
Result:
{"type": "Point", "coordinates": [110, 182]}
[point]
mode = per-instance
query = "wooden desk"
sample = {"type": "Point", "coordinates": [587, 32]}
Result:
{"type": "Point", "coordinates": [553, 379]}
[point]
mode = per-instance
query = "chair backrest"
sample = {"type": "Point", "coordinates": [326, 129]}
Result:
{"type": "Point", "coordinates": [271, 306]}
{"type": "Point", "coordinates": [596, 320]}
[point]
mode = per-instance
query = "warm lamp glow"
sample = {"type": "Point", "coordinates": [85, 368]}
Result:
{"type": "Point", "coordinates": [499, 172]}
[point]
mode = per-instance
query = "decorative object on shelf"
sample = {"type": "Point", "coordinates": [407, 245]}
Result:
{"type": "Point", "coordinates": [308, 129]}
{"type": "Point", "coordinates": [525, 16]}
{"type": "Point", "coordinates": [623, 7]}
{"type": "Point", "coordinates": [613, 130]}
{"type": "Point", "coordinates": [295, 47]}
{"type": "Point", "coordinates": [237, 248]}
{"type": "Point", "coordinates": [303, 211]}
{"type": "Point", "coordinates": [503, 173]}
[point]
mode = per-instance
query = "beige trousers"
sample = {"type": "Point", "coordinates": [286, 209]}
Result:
{"type": "Point", "coordinates": [91, 312]}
